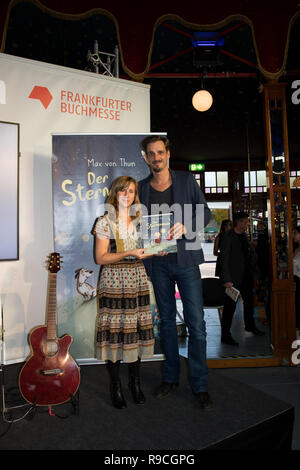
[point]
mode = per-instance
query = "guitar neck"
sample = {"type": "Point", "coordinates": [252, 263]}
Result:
{"type": "Point", "coordinates": [51, 307]}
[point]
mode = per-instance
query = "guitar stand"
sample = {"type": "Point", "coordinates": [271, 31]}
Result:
{"type": "Point", "coordinates": [74, 401]}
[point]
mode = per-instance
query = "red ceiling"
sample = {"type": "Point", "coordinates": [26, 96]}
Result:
{"type": "Point", "coordinates": [136, 22]}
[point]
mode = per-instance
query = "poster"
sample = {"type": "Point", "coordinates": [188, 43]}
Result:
{"type": "Point", "coordinates": [83, 168]}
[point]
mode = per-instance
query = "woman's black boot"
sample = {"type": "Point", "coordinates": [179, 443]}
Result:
{"type": "Point", "coordinates": [116, 394]}
{"type": "Point", "coordinates": [135, 388]}
{"type": "Point", "coordinates": [115, 385]}
{"type": "Point", "coordinates": [134, 382]}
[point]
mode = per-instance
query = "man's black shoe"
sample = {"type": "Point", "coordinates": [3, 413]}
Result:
{"type": "Point", "coordinates": [165, 389]}
{"type": "Point", "coordinates": [204, 400]}
{"type": "Point", "coordinates": [228, 339]}
{"type": "Point", "coordinates": [255, 331]}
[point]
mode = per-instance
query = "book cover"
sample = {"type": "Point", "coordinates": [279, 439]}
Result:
{"type": "Point", "coordinates": [233, 293]}
{"type": "Point", "coordinates": [155, 233]}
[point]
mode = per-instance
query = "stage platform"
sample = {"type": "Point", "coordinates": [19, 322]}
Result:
{"type": "Point", "coordinates": [242, 418]}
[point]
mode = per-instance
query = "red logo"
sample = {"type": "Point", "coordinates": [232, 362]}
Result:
{"type": "Point", "coordinates": [43, 94]}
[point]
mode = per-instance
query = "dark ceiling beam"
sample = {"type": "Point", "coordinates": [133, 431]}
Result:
{"type": "Point", "coordinates": [205, 75]}
{"type": "Point", "coordinates": [166, 25]}
{"type": "Point", "coordinates": [292, 72]}
{"type": "Point", "coordinates": [236, 57]}
{"type": "Point", "coordinates": [168, 59]}
{"type": "Point", "coordinates": [190, 36]}
{"type": "Point", "coordinates": [227, 31]}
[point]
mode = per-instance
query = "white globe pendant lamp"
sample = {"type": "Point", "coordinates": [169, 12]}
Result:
{"type": "Point", "coordinates": [202, 100]}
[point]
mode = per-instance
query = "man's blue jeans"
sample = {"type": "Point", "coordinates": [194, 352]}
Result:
{"type": "Point", "coordinates": [163, 277]}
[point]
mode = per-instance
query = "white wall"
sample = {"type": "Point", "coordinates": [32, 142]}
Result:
{"type": "Point", "coordinates": [23, 283]}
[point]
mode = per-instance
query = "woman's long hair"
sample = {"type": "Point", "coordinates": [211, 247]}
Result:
{"type": "Point", "coordinates": [224, 224]}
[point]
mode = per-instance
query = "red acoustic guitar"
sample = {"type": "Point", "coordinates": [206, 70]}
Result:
{"type": "Point", "coordinates": [50, 375]}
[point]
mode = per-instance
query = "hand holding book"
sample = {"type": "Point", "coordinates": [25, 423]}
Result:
{"type": "Point", "coordinates": [231, 291]}
{"type": "Point", "coordinates": [139, 253]}
{"type": "Point", "coordinates": [177, 230]}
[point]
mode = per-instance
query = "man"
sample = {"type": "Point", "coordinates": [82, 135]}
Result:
{"type": "Point", "coordinates": [238, 269]}
{"type": "Point", "coordinates": [164, 186]}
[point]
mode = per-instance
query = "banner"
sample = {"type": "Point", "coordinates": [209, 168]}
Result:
{"type": "Point", "coordinates": [45, 99]}
{"type": "Point", "coordinates": [83, 168]}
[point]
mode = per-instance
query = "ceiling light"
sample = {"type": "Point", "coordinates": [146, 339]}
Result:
{"type": "Point", "coordinates": [207, 38]}
{"type": "Point", "coordinates": [202, 100]}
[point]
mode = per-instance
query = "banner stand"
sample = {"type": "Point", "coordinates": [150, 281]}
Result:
{"type": "Point", "coordinates": [83, 169]}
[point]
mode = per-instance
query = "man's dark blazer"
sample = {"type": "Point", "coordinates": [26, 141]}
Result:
{"type": "Point", "coordinates": [233, 264]}
{"type": "Point", "coordinates": [185, 191]}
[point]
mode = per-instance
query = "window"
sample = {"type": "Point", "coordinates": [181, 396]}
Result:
{"type": "Point", "coordinates": [258, 181]}
{"type": "Point", "coordinates": [295, 179]}
{"type": "Point", "coordinates": [197, 177]}
{"type": "Point", "coordinates": [216, 182]}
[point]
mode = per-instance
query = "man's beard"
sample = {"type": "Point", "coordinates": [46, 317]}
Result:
{"type": "Point", "coordinates": [156, 169]}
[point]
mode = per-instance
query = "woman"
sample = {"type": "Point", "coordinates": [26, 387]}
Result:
{"type": "Point", "coordinates": [225, 226]}
{"type": "Point", "coordinates": [124, 329]}
{"type": "Point", "coordinates": [296, 266]}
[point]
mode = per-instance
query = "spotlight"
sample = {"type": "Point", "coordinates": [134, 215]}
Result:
{"type": "Point", "coordinates": [207, 39]}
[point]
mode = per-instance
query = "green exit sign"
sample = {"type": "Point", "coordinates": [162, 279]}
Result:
{"type": "Point", "coordinates": [197, 166]}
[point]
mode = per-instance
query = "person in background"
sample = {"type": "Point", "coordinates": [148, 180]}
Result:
{"type": "Point", "coordinates": [168, 187]}
{"type": "Point", "coordinates": [296, 268]}
{"type": "Point", "coordinates": [226, 225]}
{"type": "Point", "coordinates": [238, 269]}
{"type": "Point", "coordinates": [124, 330]}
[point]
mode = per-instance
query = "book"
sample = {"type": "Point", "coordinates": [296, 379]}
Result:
{"type": "Point", "coordinates": [233, 293]}
{"type": "Point", "coordinates": [155, 233]}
